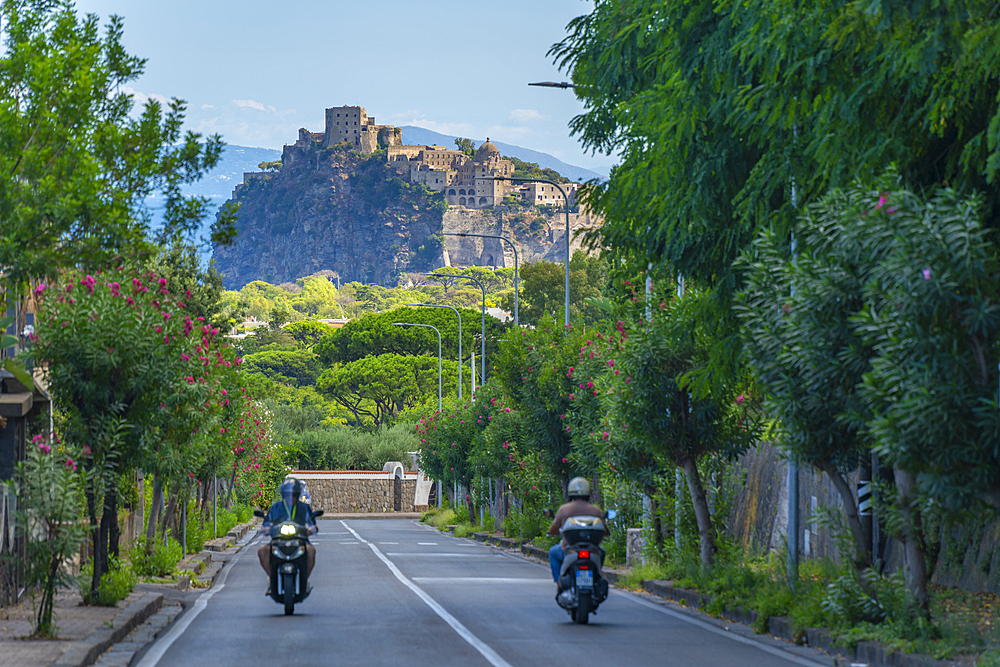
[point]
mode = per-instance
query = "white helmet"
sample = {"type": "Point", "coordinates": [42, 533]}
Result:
{"type": "Point", "coordinates": [578, 486]}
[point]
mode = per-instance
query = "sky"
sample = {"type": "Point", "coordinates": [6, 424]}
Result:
{"type": "Point", "coordinates": [256, 71]}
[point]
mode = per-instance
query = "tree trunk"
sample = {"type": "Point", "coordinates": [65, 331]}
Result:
{"type": "Point", "coordinates": [596, 493]}
{"type": "Point", "coordinates": [168, 522]}
{"type": "Point", "coordinates": [862, 537]}
{"type": "Point", "coordinates": [95, 556]}
{"type": "Point", "coordinates": [654, 513]}
{"type": "Point", "coordinates": [703, 516]}
{"type": "Point", "coordinates": [154, 512]}
{"type": "Point", "coordinates": [113, 529]}
{"type": "Point", "coordinates": [914, 563]}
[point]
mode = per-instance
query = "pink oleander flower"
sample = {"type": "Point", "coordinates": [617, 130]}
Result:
{"type": "Point", "coordinates": [185, 357]}
{"type": "Point", "coordinates": [39, 290]}
{"type": "Point", "coordinates": [70, 464]}
{"type": "Point", "coordinates": [45, 448]}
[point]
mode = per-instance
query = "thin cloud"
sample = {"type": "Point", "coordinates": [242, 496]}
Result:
{"type": "Point", "coordinates": [253, 104]}
{"type": "Point", "coordinates": [525, 115]}
{"type": "Point", "coordinates": [207, 106]}
{"type": "Point", "coordinates": [141, 98]}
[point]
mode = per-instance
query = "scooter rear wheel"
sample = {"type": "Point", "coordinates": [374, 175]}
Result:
{"type": "Point", "coordinates": [582, 613]}
{"type": "Point", "coordinates": [288, 584]}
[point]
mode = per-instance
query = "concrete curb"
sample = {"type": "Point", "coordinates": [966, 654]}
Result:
{"type": "Point", "coordinates": [86, 652]}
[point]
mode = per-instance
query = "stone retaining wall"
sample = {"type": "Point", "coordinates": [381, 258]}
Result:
{"type": "Point", "coordinates": [335, 495]}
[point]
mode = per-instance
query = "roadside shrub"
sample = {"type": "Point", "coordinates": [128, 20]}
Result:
{"type": "Point", "coordinates": [445, 517]}
{"type": "Point", "coordinates": [116, 583]}
{"type": "Point", "coordinates": [162, 562]}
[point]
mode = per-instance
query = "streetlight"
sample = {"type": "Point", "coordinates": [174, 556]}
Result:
{"type": "Point", "coordinates": [410, 324]}
{"type": "Point", "coordinates": [455, 275]}
{"type": "Point", "coordinates": [566, 206]}
{"type": "Point", "coordinates": [553, 84]}
{"type": "Point", "coordinates": [435, 305]}
{"type": "Point", "coordinates": [512, 247]}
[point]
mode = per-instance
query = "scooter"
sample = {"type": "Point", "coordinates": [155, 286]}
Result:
{"type": "Point", "coordinates": [289, 563]}
{"type": "Point", "coordinates": [581, 587]}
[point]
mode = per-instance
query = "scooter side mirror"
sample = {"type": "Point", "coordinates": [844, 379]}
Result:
{"type": "Point", "coordinates": [258, 513]}
{"type": "Point", "coordinates": [317, 514]}
{"type": "Point", "coordinates": [547, 512]}
{"type": "Point", "coordinates": [611, 514]}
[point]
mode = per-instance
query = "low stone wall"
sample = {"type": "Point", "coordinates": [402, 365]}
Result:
{"type": "Point", "coordinates": [336, 493]}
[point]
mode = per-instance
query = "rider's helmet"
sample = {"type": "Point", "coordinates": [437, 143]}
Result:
{"type": "Point", "coordinates": [578, 487]}
{"type": "Point", "coordinates": [290, 490]}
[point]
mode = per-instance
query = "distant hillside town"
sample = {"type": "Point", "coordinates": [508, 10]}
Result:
{"type": "Point", "coordinates": [465, 180]}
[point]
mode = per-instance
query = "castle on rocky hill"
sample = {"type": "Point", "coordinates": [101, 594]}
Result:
{"type": "Point", "coordinates": [465, 180]}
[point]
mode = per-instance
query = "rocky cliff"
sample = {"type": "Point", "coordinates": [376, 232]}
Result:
{"type": "Point", "coordinates": [337, 210]}
{"type": "Point", "coordinates": [331, 209]}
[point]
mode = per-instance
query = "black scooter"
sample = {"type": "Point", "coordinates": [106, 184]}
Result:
{"type": "Point", "coordinates": [289, 562]}
{"type": "Point", "coordinates": [581, 587]}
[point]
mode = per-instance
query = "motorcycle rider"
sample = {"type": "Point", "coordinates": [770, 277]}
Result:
{"type": "Point", "coordinates": [290, 507]}
{"type": "Point", "coordinates": [304, 497]}
{"type": "Point", "coordinates": [579, 504]}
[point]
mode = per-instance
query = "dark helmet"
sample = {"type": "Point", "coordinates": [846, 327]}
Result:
{"type": "Point", "coordinates": [291, 490]}
{"type": "Point", "coordinates": [578, 487]}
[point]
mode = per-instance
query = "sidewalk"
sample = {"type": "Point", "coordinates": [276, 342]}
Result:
{"type": "Point", "coordinates": [85, 632]}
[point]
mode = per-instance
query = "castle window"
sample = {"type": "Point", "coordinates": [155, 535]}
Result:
{"type": "Point", "coordinates": [461, 192]}
{"type": "Point", "coordinates": [482, 201]}
{"type": "Point", "coordinates": [452, 191]}
{"type": "Point", "coordinates": [462, 201]}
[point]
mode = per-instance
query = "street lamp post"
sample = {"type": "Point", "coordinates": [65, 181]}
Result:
{"type": "Point", "coordinates": [512, 247]}
{"type": "Point", "coordinates": [457, 314]}
{"type": "Point", "coordinates": [566, 207]}
{"type": "Point", "coordinates": [410, 324]}
{"type": "Point", "coordinates": [455, 275]}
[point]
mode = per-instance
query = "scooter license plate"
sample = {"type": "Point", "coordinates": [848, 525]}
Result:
{"type": "Point", "coordinates": [584, 579]}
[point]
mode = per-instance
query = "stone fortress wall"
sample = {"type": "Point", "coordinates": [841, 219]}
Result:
{"type": "Point", "coordinates": [466, 181]}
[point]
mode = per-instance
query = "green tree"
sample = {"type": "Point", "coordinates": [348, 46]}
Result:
{"type": "Point", "coordinates": [543, 290]}
{"type": "Point", "coordinates": [295, 367]}
{"type": "Point", "coordinates": [51, 487]}
{"type": "Point", "coordinates": [467, 146]}
{"type": "Point", "coordinates": [77, 165]}
{"type": "Point", "coordinates": [652, 406]}
{"type": "Point", "coordinates": [375, 389]}
{"type": "Point", "coordinates": [308, 333]}
{"type": "Point", "coordinates": [124, 362]}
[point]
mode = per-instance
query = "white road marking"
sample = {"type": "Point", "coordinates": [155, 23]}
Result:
{"type": "Point", "coordinates": [475, 642]}
{"type": "Point", "coordinates": [480, 580]}
{"type": "Point", "coordinates": [441, 555]}
{"type": "Point", "coordinates": [427, 544]}
{"type": "Point", "coordinates": [388, 542]}
{"type": "Point", "coordinates": [351, 542]}
{"type": "Point", "coordinates": [162, 645]}
{"type": "Point", "coordinates": [719, 631]}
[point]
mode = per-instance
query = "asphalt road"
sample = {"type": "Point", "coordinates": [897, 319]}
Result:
{"type": "Point", "coordinates": [392, 592]}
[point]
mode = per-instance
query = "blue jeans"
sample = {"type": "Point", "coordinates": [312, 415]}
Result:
{"type": "Point", "coordinates": [556, 556]}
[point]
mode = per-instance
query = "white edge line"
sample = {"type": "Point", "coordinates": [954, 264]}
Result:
{"type": "Point", "coordinates": [719, 631]}
{"type": "Point", "coordinates": [491, 656]}
{"type": "Point", "coordinates": [163, 644]}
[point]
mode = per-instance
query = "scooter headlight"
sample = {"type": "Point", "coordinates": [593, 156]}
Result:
{"type": "Point", "coordinates": [287, 529]}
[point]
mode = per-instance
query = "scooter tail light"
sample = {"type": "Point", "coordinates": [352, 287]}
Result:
{"type": "Point", "coordinates": [584, 554]}
{"type": "Point", "coordinates": [584, 567]}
